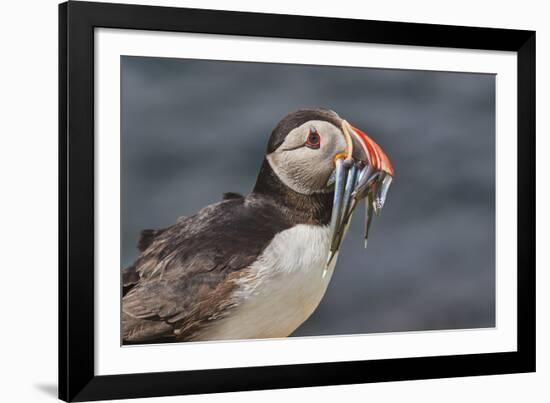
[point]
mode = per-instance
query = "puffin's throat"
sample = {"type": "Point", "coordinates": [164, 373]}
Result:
{"type": "Point", "coordinates": [315, 208]}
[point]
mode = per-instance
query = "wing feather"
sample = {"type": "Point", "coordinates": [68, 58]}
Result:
{"type": "Point", "coordinates": [188, 272]}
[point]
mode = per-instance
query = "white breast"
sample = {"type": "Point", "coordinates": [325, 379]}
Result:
{"type": "Point", "coordinates": [285, 286]}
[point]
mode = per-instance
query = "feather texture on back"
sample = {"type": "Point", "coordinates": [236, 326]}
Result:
{"type": "Point", "coordinates": [187, 273]}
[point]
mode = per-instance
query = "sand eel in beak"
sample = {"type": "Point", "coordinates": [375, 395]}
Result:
{"type": "Point", "coordinates": [257, 266]}
{"type": "Point", "coordinates": [362, 171]}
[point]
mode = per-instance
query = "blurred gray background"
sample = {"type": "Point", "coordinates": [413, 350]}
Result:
{"type": "Point", "coordinates": [192, 130]}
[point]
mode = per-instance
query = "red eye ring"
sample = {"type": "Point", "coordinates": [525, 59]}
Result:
{"type": "Point", "coordinates": [313, 139]}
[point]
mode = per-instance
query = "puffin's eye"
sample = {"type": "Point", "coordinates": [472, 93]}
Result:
{"type": "Point", "coordinates": [313, 139]}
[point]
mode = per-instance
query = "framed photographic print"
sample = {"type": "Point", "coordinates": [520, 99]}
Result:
{"type": "Point", "coordinates": [220, 176]}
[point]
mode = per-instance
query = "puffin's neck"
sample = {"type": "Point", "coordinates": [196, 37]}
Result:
{"type": "Point", "coordinates": [313, 209]}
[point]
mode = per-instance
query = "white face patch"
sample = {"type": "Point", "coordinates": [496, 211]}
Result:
{"type": "Point", "coordinates": [303, 169]}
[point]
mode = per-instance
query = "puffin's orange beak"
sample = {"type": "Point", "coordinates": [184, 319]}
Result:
{"type": "Point", "coordinates": [376, 157]}
{"type": "Point", "coordinates": [363, 171]}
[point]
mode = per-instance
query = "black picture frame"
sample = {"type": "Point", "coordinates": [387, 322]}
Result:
{"type": "Point", "coordinates": [77, 21]}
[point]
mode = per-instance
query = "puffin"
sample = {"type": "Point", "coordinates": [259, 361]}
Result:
{"type": "Point", "coordinates": [257, 266]}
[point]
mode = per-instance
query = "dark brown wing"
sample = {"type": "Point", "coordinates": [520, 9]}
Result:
{"type": "Point", "coordinates": [129, 279]}
{"type": "Point", "coordinates": [147, 237]}
{"type": "Point", "coordinates": [188, 273]}
{"type": "Point", "coordinates": [130, 276]}
{"type": "Point", "coordinates": [231, 195]}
